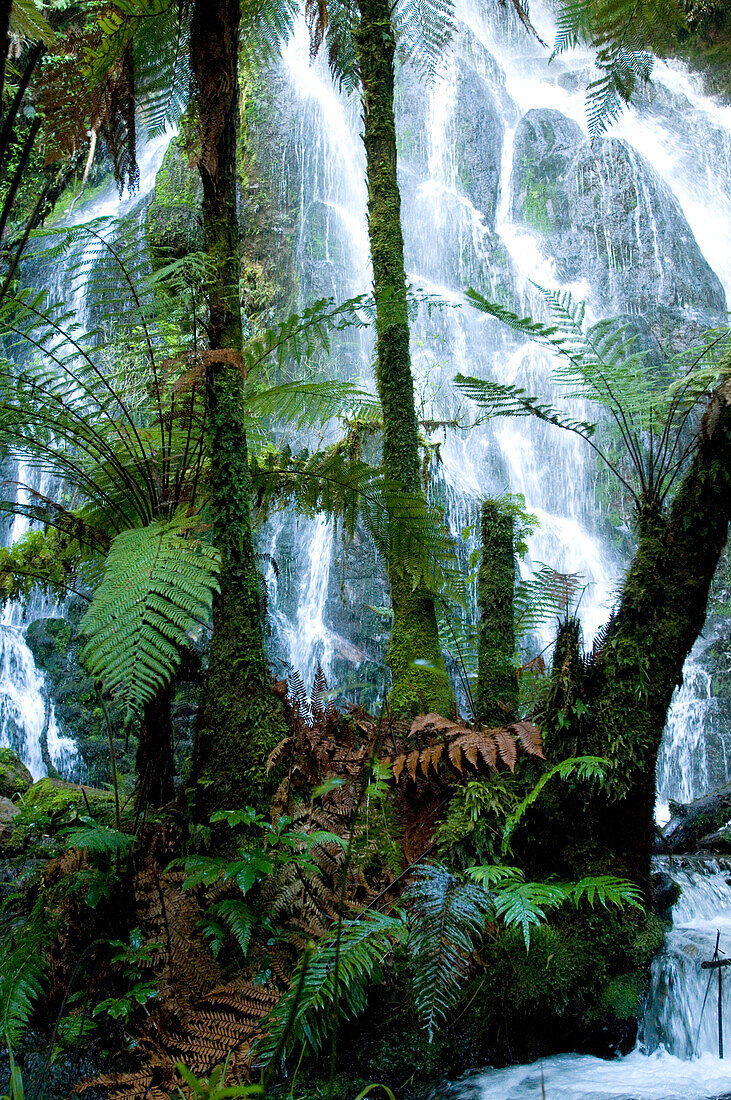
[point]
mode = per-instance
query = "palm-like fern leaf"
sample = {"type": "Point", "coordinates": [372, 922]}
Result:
{"type": "Point", "coordinates": [423, 30]}
{"type": "Point", "coordinates": [158, 587]}
{"type": "Point", "coordinates": [601, 363]}
{"type": "Point", "coordinates": [625, 34]}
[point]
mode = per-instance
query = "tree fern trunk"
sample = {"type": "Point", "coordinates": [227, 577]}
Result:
{"type": "Point", "coordinates": [154, 763]}
{"type": "Point", "coordinates": [496, 697]}
{"type": "Point", "coordinates": [423, 685]}
{"type": "Point", "coordinates": [239, 720]}
{"type": "Point", "coordinates": [629, 683]}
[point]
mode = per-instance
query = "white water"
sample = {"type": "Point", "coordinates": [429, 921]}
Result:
{"type": "Point", "coordinates": [677, 144]}
{"type": "Point", "coordinates": [27, 713]}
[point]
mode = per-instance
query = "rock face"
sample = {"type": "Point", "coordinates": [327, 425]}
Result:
{"type": "Point", "coordinates": [478, 133]}
{"type": "Point", "coordinates": [14, 776]}
{"type": "Point", "coordinates": [173, 223]}
{"type": "Point", "coordinates": [608, 220]}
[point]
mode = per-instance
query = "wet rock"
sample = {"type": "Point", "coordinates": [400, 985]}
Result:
{"type": "Point", "coordinates": [692, 823]}
{"type": "Point", "coordinates": [173, 225]}
{"type": "Point", "coordinates": [546, 147]}
{"type": "Point", "coordinates": [609, 220]}
{"type": "Point", "coordinates": [478, 142]}
{"type": "Point", "coordinates": [14, 776]}
{"type": "Point", "coordinates": [665, 893]}
{"type": "Point", "coordinates": [8, 811]}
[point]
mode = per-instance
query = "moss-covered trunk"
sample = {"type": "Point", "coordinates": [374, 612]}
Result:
{"type": "Point", "coordinates": [496, 697]}
{"type": "Point", "coordinates": [239, 719]}
{"type": "Point", "coordinates": [419, 676]}
{"type": "Point", "coordinates": [628, 683]}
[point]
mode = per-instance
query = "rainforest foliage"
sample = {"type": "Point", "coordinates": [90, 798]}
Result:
{"type": "Point", "coordinates": [262, 887]}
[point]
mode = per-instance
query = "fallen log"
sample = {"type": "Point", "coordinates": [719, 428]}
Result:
{"type": "Point", "coordinates": [691, 822]}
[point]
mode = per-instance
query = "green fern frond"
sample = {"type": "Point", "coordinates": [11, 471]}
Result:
{"type": "Point", "coordinates": [423, 30]}
{"type": "Point", "coordinates": [28, 21]}
{"type": "Point", "coordinates": [606, 890]}
{"type": "Point", "coordinates": [304, 1012]}
{"type": "Point", "coordinates": [230, 915]}
{"type": "Point", "coordinates": [523, 905]}
{"type": "Point", "coordinates": [625, 34]}
{"type": "Point", "coordinates": [98, 840]}
{"type": "Point", "coordinates": [584, 768]}
{"type": "Point", "coordinates": [543, 596]}
{"type": "Point", "coordinates": [158, 587]}
{"type": "Point", "coordinates": [23, 972]}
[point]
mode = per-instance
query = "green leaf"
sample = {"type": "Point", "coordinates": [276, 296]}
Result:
{"type": "Point", "coordinates": [158, 587]}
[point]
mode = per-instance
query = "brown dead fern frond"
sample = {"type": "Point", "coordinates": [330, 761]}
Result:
{"type": "Point", "coordinates": [459, 746]}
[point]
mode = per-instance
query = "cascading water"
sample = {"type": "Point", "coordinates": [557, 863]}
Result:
{"type": "Point", "coordinates": [501, 189]}
{"type": "Point", "coordinates": [28, 722]}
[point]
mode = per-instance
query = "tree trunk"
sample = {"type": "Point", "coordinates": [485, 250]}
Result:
{"type": "Point", "coordinates": [239, 720]}
{"type": "Point", "coordinates": [420, 681]}
{"type": "Point", "coordinates": [154, 763]}
{"type": "Point", "coordinates": [629, 682]}
{"type": "Point", "coordinates": [496, 697]}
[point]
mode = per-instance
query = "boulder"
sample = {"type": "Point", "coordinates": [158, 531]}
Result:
{"type": "Point", "coordinates": [8, 810]}
{"type": "Point", "coordinates": [608, 219]}
{"type": "Point", "coordinates": [479, 131]}
{"type": "Point", "coordinates": [54, 795]}
{"type": "Point", "coordinates": [14, 776]}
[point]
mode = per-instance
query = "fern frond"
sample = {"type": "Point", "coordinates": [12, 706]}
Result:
{"type": "Point", "coordinates": [446, 916]}
{"type": "Point", "coordinates": [158, 587]}
{"type": "Point", "coordinates": [237, 917]}
{"type": "Point", "coordinates": [606, 890]}
{"type": "Point", "coordinates": [23, 972]}
{"type": "Point", "coordinates": [304, 1012]}
{"type": "Point", "coordinates": [523, 905]}
{"type": "Point", "coordinates": [423, 30]}
{"type": "Point", "coordinates": [98, 840]}
{"type": "Point", "coordinates": [625, 34]}
{"type": "Point", "coordinates": [583, 768]}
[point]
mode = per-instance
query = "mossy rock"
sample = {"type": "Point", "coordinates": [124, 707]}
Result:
{"type": "Point", "coordinates": [14, 776]}
{"type": "Point", "coordinates": [173, 224]}
{"type": "Point", "coordinates": [55, 795]}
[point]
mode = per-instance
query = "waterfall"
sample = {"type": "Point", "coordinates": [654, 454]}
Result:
{"type": "Point", "coordinates": [502, 189]}
{"type": "Point", "coordinates": [28, 722]}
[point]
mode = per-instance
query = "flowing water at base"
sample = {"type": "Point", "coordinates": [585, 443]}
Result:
{"type": "Point", "coordinates": [677, 1054]}
{"type": "Point", "coordinates": [658, 1076]}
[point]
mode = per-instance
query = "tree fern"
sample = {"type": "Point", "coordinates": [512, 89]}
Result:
{"type": "Point", "coordinates": [601, 363]}
{"type": "Point", "coordinates": [158, 587]}
{"type": "Point", "coordinates": [446, 916]}
{"type": "Point", "coordinates": [304, 1012]}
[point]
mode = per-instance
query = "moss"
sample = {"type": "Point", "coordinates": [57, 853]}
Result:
{"type": "Point", "coordinates": [173, 225]}
{"type": "Point", "coordinates": [14, 776]}
{"type": "Point", "coordinates": [53, 795]}
{"type": "Point", "coordinates": [414, 657]}
{"type": "Point", "coordinates": [496, 696]}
